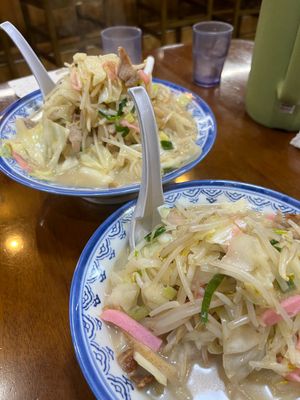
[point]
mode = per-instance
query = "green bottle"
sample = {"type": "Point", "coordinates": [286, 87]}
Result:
{"type": "Point", "coordinates": [273, 88]}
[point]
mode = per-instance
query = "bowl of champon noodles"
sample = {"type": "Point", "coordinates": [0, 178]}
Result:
{"type": "Point", "coordinates": [84, 140]}
{"type": "Point", "coordinates": [207, 306]}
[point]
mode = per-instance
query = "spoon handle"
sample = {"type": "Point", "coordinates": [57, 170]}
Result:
{"type": "Point", "coordinates": [146, 215]}
{"type": "Point", "coordinates": [41, 75]}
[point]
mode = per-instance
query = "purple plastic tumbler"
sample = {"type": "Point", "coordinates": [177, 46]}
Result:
{"type": "Point", "coordinates": [211, 40]}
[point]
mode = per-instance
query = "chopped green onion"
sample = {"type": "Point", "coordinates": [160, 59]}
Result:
{"type": "Point", "coordinates": [155, 234]}
{"type": "Point", "coordinates": [166, 144]}
{"type": "Point", "coordinates": [136, 253]}
{"type": "Point", "coordinates": [283, 285]}
{"type": "Point", "coordinates": [123, 129]}
{"type": "Point", "coordinates": [291, 283]}
{"type": "Point", "coordinates": [125, 132]}
{"type": "Point", "coordinates": [159, 231]}
{"type": "Point", "coordinates": [274, 243]}
{"type": "Point", "coordinates": [120, 128]}
{"type": "Point", "coordinates": [109, 117]}
{"type": "Point", "coordinates": [148, 237]}
{"type": "Point", "coordinates": [211, 287]}
{"type": "Point", "coordinates": [114, 117]}
{"type": "Point", "coordinates": [122, 104]}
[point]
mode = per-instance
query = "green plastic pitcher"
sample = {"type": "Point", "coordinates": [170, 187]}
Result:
{"type": "Point", "coordinates": [273, 88]}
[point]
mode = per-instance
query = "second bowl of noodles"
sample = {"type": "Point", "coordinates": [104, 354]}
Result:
{"type": "Point", "coordinates": [86, 141]}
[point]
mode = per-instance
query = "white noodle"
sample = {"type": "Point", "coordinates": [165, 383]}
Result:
{"type": "Point", "coordinates": [251, 313]}
{"type": "Point", "coordinates": [183, 279]}
{"type": "Point", "coordinates": [294, 225]}
{"type": "Point", "coordinates": [189, 326]}
{"type": "Point", "coordinates": [243, 320]}
{"type": "Point", "coordinates": [169, 259]}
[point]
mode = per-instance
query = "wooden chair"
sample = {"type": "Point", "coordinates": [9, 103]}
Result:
{"type": "Point", "coordinates": [6, 56]}
{"type": "Point", "coordinates": [55, 34]}
{"type": "Point", "coordinates": [231, 11]}
{"type": "Point", "coordinates": [244, 8]}
{"type": "Point", "coordinates": [157, 17]}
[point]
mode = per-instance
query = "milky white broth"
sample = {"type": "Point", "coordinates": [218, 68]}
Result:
{"type": "Point", "coordinates": [208, 382]}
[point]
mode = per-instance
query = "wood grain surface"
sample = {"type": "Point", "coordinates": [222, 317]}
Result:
{"type": "Point", "coordinates": [42, 235]}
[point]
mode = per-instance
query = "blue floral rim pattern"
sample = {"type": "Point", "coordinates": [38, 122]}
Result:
{"type": "Point", "coordinates": [207, 129]}
{"type": "Point", "coordinates": [95, 355]}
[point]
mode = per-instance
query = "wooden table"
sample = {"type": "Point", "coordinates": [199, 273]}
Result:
{"type": "Point", "coordinates": [42, 235]}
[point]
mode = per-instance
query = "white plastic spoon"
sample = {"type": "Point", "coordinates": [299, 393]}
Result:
{"type": "Point", "coordinates": [146, 215]}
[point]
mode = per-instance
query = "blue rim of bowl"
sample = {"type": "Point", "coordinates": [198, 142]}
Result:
{"type": "Point", "coordinates": [88, 192]}
{"type": "Point", "coordinates": [93, 378]}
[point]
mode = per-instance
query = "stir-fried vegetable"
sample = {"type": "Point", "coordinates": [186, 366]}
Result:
{"type": "Point", "coordinates": [88, 134]}
{"type": "Point", "coordinates": [152, 235]}
{"type": "Point", "coordinates": [117, 115]}
{"type": "Point", "coordinates": [159, 231]}
{"type": "Point", "coordinates": [218, 279]}
{"type": "Point", "coordinates": [274, 243]}
{"type": "Point", "coordinates": [166, 369]}
{"type": "Point", "coordinates": [124, 129]}
{"type": "Point", "coordinates": [166, 144]}
{"type": "Point", "coordinates": [211, 287]}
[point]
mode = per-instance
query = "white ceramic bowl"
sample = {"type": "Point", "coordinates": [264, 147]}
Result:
{"type": "Point", "coordinates": [92, 343]}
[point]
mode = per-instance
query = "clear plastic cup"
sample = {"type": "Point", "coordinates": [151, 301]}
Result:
{"type": "Point", "coordinates": [211, 40]}
{"type": "Point", "coordinates": [129, 37]}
